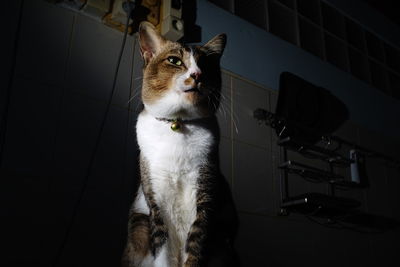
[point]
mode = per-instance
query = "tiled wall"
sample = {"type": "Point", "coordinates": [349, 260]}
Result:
{"type": "Point", "coordinates": [249, 160]}
{"type": "Point", "coordinates": [64, 68]}
{"type": "Point", "coordinates": [327, 33]}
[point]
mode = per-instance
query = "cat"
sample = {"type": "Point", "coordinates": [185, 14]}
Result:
{"type": "Point", "coordinates": [183, 214]}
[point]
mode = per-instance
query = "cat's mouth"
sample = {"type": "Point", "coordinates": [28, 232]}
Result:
{"type": "Point", "coordinates": [194, 89]}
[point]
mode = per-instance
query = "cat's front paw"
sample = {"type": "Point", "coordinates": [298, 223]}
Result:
{"type": "Point", "coordinates": [158, 237]}
{"type": "Point", "coordinates": [192, 261]}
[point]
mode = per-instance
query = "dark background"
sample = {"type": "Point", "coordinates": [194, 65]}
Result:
{"type": "Point", "coordinates": [57, 72]}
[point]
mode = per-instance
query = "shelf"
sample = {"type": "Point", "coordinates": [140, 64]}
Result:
{"type": "Point", "coordinates": [308, 171]}
{"type": "Point", "coordinates": [314, 151]}
{"type": "Point", "coordinates": [341, 212]}
{"type": "Point", "coordinates": [320, 205]}
{"type": "Point", "coordinates": [316, 174]}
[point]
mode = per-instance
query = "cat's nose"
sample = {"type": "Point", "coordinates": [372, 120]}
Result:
{"type": "Point", "coordinates": [196, 75]}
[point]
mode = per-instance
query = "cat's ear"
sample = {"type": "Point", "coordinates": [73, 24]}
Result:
{"type": "Point", "coordinates": [216, 45]}
{"type": "Point", "coordinates": [150, 40]}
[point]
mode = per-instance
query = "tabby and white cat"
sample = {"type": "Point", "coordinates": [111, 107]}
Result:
{"type": "Point", "coordinates": [183, 213]}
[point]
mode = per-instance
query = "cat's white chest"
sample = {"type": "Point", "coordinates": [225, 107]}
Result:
{"type": "Point", "coordinates": [169, 152]}
{"type": "Point", "coordinates": [174, 160]}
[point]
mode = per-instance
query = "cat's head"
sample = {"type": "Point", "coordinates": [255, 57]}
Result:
{"type": "Point", "coordinates": [180, 81]}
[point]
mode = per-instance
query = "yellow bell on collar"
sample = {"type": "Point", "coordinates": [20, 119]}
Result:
{"type": "Point", "coordinates": [176, 125]}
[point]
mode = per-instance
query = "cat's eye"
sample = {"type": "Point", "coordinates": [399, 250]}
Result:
{"type": "Point", "coordinates": [175, 60]}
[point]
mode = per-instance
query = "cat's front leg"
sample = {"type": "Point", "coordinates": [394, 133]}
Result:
{"type": "Point", "coordinates": [197, 233]}
{"type": "Point", "coordinates": [137, 247]}
{"type": "Point", "coordinates": [194, 241]}
{"type": "Point", "coordinates": [158, 230]}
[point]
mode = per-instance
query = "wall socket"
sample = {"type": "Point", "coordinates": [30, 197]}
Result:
{"type": "Point", "coordinates": [172, 26]}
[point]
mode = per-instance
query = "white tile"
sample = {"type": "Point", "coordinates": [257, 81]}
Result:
{"type": "Point", "coordinates": [226, 78]}
{"type": "Point", "coordinates": [224, 112]}
{"type": "Point", "coordinates": [393, 176]}
{"type": "Point", "coordinates": [380, 142]}
{"type": "Point", "coordinates": [276, 241]}
{"type": "Point", "coordinates": [103, 208]}
{"type": "Point", "coordinates": [273, 101]}
{"type": "Point", "coordinates": [25, 200]}
{"type": "Point", "coordinates": [377, 190]}
{"type": "Point", "coordinates": [252, 178]}
{"type": "Point", "coordinates": [137, 79]}
{"type": "Point", "coordinates": [225, 158]}
{"type": "Point", "coordinates": [276, 182]}
{"type": "Point", "coordinates": [79, 125]}
{"type": "Point", "coordinates": [126, 76]}
{"type": "Point", "coordinates": [350, 248]}
{"type": "Point", "coordinates": [111, 158]}
{"type": "Point", "coordinates": [384, 248]}
{"type": "Point", "coordinates": [348, 131]}
{"type": "Point", "coordinates": [44, 43]}
{"type": "Point", "coordinates": [132, 149]}
{"type": "Point", "coordinates": [8, 49]}
{"type": "Point", "coordinates": [93, 58]}
{"type": "Point", "coordinates": [273, 98]}
{"type": "Point", "coordinates": [248, 97]}
{"type": "Point", "coordinates": [32, 122]}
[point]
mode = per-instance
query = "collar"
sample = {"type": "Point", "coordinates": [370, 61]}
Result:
{"type": "Point", "coordinates": [177, 123]}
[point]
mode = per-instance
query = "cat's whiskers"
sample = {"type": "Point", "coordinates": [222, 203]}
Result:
{"type": "Point", "coordinates": [226, 100]}
{"type": "Point", "coordinates": [234, 123]}
{"type": "Point", "coordinates": [224, 108]}
{"type": "Point", "coordinates": [214, 104]}
{"type": "Point", "coordinates": [211, 53]}
{"type": "Point", "coordinates": [136, 93]}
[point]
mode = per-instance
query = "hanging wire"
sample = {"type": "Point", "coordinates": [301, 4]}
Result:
{"type": "Point", "coordinates": [96, 146]}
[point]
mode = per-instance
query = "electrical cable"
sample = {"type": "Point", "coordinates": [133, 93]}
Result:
{"type": "Point", "coordinates": [96, 146]}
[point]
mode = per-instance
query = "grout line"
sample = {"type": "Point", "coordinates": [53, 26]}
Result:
{"type": "Point", "coordinates": [310, 21]}
{"type": "Point", "coordinates": [238, 76]}
{"type": "Point", "coordinates": [231, 133]}
{"type": "Point", "coordinates": [297, 14]}
{"type": "Point", "coordinates": [72, 91]}
{"type": "Point", "coordinates": [128, 123]}
{"type": "Point", "coordinates": [250, 144]}
{"type": "Point", "coordinates": [266, 9]}
{"type": "Point", "coordinates": [10, 82]}
{"type": "Point", "coordinates": [124, 182]}
{"type": "Point", "coordinates": [299, 218]}
{"type": "Point", "coordinates": [297, 24]}
{"type": "Point", "coordinates": [62, 94]}
{"type": "Point", "coordinates": [274, 157]}
{"type": "Point", "coordinates": [277, 2]}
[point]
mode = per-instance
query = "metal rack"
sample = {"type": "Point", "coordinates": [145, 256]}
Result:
{"type": "Point", "coordinates": [343, 211]}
